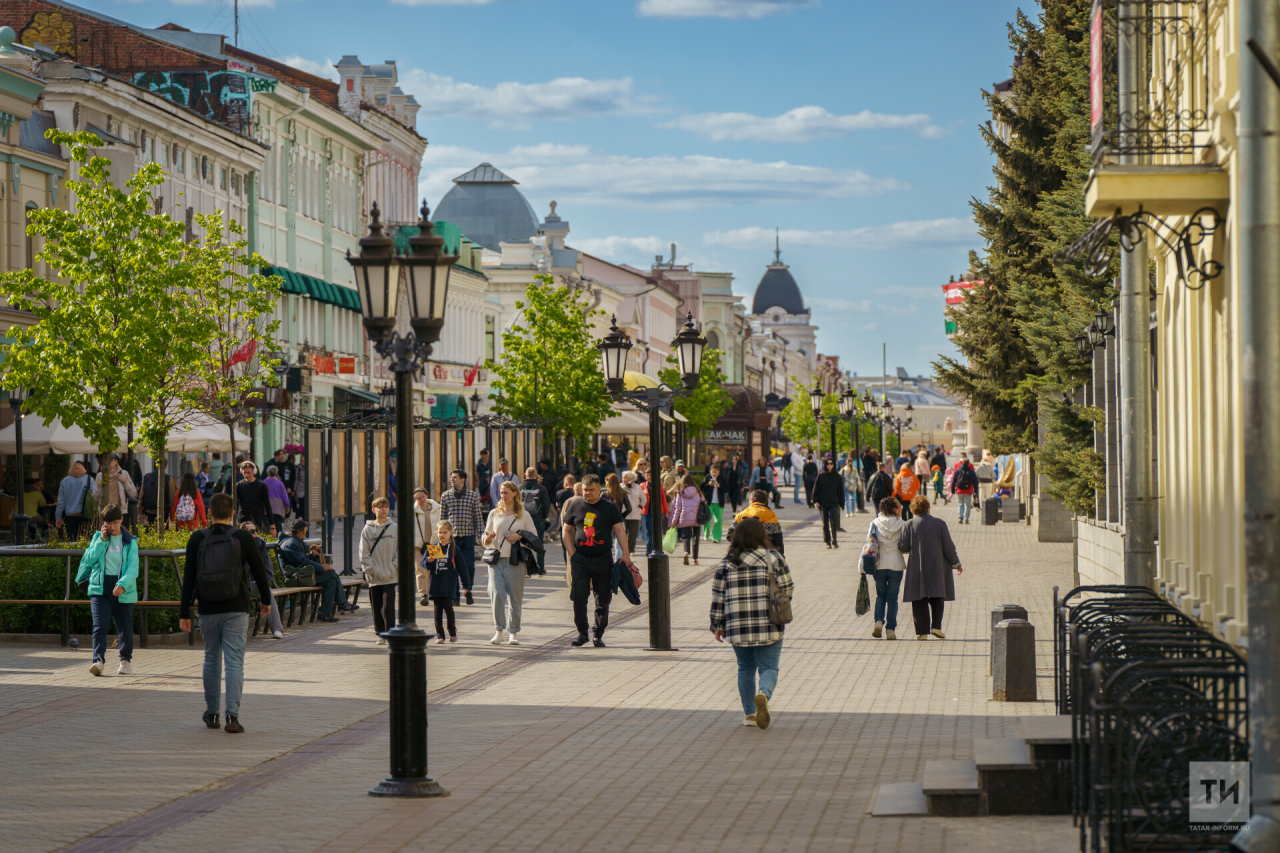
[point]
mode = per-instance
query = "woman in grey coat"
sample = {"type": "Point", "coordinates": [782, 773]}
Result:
{"type": "Point", "coordinates": [928, 582]}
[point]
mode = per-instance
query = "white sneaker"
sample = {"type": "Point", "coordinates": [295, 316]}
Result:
{"type": "Point", "coordinates": [279, 635]}
{"type": "Point", "coordinates": [496, 639]}
{"type": "Point", "coordinates": [382, 641]}
{"type": "Point", "coordinates": [95, 668]}
{"type": "Point", "coordinates": [512, 639]}
{"type": "Point", "coordinates": [126, 668]}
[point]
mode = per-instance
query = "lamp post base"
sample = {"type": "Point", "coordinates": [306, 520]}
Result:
{"type": "Point", "coordinates": [411, 788]}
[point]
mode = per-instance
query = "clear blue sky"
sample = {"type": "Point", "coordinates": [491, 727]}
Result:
{"type": "Point", "coordinates": [849, 124]}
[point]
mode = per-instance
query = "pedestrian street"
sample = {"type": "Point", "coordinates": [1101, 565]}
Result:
{"type": "Point", "coordinates": [543, 746]}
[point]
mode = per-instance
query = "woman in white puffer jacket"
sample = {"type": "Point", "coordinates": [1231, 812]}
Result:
{"type": "Point", "coordinates": [886, 528]}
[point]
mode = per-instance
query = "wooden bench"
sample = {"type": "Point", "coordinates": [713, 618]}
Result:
{"type": "Point", "coordinates": [304, 602]}
{"type": "Point", "coordinates": [141, 626]}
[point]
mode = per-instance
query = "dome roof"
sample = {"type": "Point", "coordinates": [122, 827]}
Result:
{"type": "Point", "coordinates": [485, 204]}
{"type": "Point", "coordinates": [778, 290]}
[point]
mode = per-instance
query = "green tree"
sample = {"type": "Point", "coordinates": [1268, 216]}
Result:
{"type": "Point", "coordinates": [709, 400]}
{"type": "Point", "coordinates": [1017, 331]}
{"type": "Point", "coordinates": [233, 368]}
{"type": "Point", "coordinates": [799, 424]}
{"type": "Point", "coordinates": [550, 367]}
{"type": "Point", "coordinates": [114, 318]}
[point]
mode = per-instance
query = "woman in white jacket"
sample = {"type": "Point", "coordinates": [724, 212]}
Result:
{"type": "Point", "coordinates": [506, 582]}
{"type": "Point", "coordinates": [886, 530]}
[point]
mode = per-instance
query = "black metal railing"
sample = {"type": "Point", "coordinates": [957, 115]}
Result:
{"type": "Point", "coordinates": [1149, 691]}
{"type": "Point", "coordinates": [1173, 122]}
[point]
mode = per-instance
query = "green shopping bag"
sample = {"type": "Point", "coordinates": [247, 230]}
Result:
{"type": "Point", "coordinates": [863, 604]}
{"type": "Point", "coordinates": [669, 540]}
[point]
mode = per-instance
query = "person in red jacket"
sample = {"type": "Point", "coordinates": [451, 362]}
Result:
{"type": "Point", "coordinates": [646, 519]}
{"type": "Point", "coordinates": [187, 511]}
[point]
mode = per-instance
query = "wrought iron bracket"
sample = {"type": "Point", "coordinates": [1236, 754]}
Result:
{"type": "Point", "coordinates": [649, 399]}
{"type": "Point", "coordinates": [1095, 247]}
{"type": "Point", "coordinates": [404, 352]}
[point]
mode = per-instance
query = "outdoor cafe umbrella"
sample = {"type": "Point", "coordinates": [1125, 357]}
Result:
{"type": "Point", "coordinates": [204, 436]}
{"type": "Point", "coordinates": [40, 436]}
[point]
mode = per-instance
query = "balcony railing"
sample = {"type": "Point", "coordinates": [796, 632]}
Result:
{"type": "Point", "coordinates": [1172, 125]}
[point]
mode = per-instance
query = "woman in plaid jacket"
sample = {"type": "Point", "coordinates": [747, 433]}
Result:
{"type": "Point", "coordinates": [740, 612]}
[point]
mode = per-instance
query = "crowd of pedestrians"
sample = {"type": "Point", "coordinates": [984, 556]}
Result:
{"type": "Point", "coordinates": [600, 512]}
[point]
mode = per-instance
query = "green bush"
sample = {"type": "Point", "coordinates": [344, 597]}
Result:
{"type": "Point", "coordinates": [45, 578]}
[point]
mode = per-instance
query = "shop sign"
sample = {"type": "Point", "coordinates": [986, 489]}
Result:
{"type": "Point", "coordinates": [430, 399]}
{"type": "Point", "coordinates": [439, 372]}
{"type": "Point", "coordinates": [347, 364]}
{"type": "Point", "coordinates": [323, 364]}
{"type": "Point", "coordinates": [954, 291]}
{"type": "Point", "coordinates": [726, 436]}
{"type": "Point", "coordinates": [459, 374]}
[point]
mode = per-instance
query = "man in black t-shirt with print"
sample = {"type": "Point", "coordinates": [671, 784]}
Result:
{"type": "Point", "coordinates": [590, 525]}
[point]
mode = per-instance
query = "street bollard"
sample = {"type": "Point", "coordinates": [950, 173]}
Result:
{"type": "Point", "coordinates": [1013, 646]}
{"type": "Point", "coordinates": [998, 615]}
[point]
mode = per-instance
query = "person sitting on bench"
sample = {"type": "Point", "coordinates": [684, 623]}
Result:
{"type": "Point", "coordinates": [294, 555]}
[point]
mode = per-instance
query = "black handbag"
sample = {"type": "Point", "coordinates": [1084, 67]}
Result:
{"type": "Point", "coordinates": [494, 552]}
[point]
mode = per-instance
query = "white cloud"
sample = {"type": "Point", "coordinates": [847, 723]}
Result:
{"type": "Point", "coordinates": [622, 247]}
{"type": "Point", "coordinates": [719, 8]}
{"type": "Point", "coordinates": [860, 306]}
{"type": "Point", "coordinates": [310, 66]}
{"type": "Point", "coordinates": [581, 175]}
{"type": "Point", "coordinates": [443, 2]}
{"type": "Point", "coordinates": [519, 103]}
{"type": "Point", "coordinates": [924, 233]}
{"type": "Point", "coordinates": [800, 125]}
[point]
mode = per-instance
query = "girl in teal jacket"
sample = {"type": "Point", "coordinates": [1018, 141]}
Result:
{"type": "Point", "coordinates": [110, 565]}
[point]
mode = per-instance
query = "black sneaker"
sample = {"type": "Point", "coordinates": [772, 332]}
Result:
{"type": "Point", "coordinates": [424, 601]}
{"type": "Point", "coordinates": [598, 643]}
{"type": "Point", "coordinates": [210, 720]}
{"type": "Point", "coordinates": [233, 724]}
{"type": "Point", "coordinates": [581, 641]}
{"type": "Point", "coordinates": [470, 598]}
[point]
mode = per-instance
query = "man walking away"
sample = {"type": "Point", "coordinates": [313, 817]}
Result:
{"type": "Point", "coordinates": [879, 487]}
{"type": "Point", "coordinates": [152, 499]}
{"type": "Point", "coordinates": [589, 527]}
{"type": "Point", "coordinates": [786, 469]}
{"type": "Point", "coordinates": [759, 509]}
{"type": "Point", "coordinates": [69, 513]}
{"type": "Point", "coordinates": [214, 573]}
{"type": "Point", "coordinates": [461, 506]}
{"type": "Point", "coordinates": [253, 498]}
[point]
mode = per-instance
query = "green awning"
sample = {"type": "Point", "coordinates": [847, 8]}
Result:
{"type": "Point", "coordinates": [318, 289]}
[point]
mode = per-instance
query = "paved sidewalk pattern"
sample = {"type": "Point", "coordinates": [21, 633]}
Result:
{"type": "Point", "coordinates": [543, 746]}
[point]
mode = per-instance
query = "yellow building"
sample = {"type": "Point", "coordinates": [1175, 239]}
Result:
{"type": "Point", "coordinates": [1184, 185]}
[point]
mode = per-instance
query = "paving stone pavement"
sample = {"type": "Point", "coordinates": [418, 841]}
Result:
{"type": "Point", "coordinates": [542, 746]}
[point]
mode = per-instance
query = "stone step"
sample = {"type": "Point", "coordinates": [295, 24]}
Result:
{"type": "Point", "coordinates": [1002, 753]}
{"type": "Point", "coordinates": [901, 799]}
{"type": "Point", "coordinates": [953, 788]}
{"type": "Point", "coordinates": [1055, 730]}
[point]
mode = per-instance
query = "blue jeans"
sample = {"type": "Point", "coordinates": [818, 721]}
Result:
{"type": "Point", "coordinates": [888, 582]}
{"type": "Point", "coordinates": [795, 490]}
{"type": "Point", "coordinates": [850, 501]}
{"type": "Point", "coordinates": [225, 635]}
{"type": "Point", "coordinates": [966, 506]}
{"type": "Point", "coordinates": [105, 608]}
{"type": "Point", "coordinates": [750, 660]}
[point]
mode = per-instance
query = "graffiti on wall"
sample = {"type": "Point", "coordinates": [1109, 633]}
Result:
{"type": "Point", "coordinates": [52, 30]}
{"type": "Point", "coordinates": [221, 96]}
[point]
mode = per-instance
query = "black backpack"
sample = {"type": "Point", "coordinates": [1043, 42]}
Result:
{"type": "Point", "coordinates": [220, 574]}
{"type": "Point", "coordinates": [532, 500]}
{"type": "Point", "coordinates": [963, 479]}
{"type": "Point", "coordinates": [150, 488]}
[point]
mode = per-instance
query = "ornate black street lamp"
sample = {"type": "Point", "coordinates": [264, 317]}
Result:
{"type": "Point", "coordinates": [850, 409]}
{"type": "Point", "coordinates": [387, 400]}
{"type": "Point", "coordinates": [688, 347]}
{"type": "Point", "coordinates": [1082, 344]}
{"type": "Point", "coordinates": [474, 400]}
{"type": "Point", "coordinates": [424, 272]}
{"type": "Point", "coordinates": [815, 401]}
{"type": "Point", "coordinates": [16, 398]}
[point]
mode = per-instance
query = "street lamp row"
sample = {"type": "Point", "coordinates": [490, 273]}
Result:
{"type": "Point", "coordinates": [853, 407]}
{"type": "Point", "coordinates": [654, 400]}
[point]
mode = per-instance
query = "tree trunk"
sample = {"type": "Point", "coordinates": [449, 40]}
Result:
{"type": "Point", "coordinates": [232, 428]}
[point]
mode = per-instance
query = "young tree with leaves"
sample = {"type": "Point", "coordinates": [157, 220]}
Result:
{"type": "Point", "coordinates": [117, 299]}
{"type": "Point", "coordinates": [550, 367]}
{"type": "Point", "coordinates": [233, 366]}
{"type": "Point", "coordinates": [709, 401]}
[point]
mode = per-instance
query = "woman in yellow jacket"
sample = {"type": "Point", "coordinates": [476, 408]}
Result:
{"type": "Point", "coordinates": [905, 487]}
